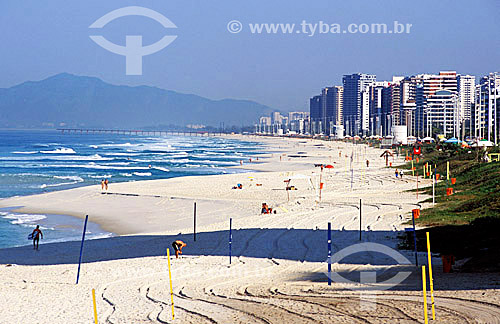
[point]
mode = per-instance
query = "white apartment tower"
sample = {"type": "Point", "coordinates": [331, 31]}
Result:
{"type": "Point", "coordinates": [485, 116]}
{"type": "Point", "coordinates": [466, 85]}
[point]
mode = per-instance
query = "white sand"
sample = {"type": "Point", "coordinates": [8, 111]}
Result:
{"type": "Point", "coordinates": [278, 260]}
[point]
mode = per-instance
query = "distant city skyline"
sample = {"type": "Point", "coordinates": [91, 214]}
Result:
{"type": "Point", "coordinates": [281, 71]}
{"type": "Point", "coordinates": [445, 104]}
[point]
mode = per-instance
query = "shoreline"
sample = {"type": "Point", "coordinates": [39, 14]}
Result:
{"type": "Point", "coordinates": [40, 209]}
{"type": "Point", "coordinates": [55, 227]}
{"type": "Point", "coordinates": [264, 163]}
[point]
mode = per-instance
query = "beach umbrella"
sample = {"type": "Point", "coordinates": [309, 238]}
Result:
{"type": "Point", "coordinates": [329, 166]}
{"type": "Point", "coordinates": [427, 139]}
{"type": "Point", "coordinates": [452, 140]}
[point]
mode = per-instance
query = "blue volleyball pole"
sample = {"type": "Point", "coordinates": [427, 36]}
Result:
{"type": "Point", "coordinates": [329, 254]}
{"type": "Point", "coordinates": [81, 248]}
{"type": "Point", "coordinates": [230, 237]}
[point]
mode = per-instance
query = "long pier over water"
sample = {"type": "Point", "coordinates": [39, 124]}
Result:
{"type": "Point", "coordinates": [91, 131]}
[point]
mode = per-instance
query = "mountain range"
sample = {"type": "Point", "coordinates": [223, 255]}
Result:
{"type": "Point", "coordinates": [79, 101]}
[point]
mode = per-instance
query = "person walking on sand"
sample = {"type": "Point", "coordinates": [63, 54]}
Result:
{"type": "Point", "coordinates": [106, 184]}
{"type": "Point", "coordinates": [178, 245]}
{"type": "Point", "coordinates": [367, 163]}
{"type": "Point", "coordinates": [36, 234]}
{"type": "Point", "coordinates": [396, 173]}
{"type": "Point", "coordinates": [102, 185]}
{"type": "Point", "coordinates": [401, 174]}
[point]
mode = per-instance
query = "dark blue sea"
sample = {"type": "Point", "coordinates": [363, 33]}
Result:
{"type": "Point", "coordinates": [33, 162]}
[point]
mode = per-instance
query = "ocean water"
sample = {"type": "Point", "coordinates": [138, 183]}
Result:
{"type": "Point", "coordinates": [33, 162]}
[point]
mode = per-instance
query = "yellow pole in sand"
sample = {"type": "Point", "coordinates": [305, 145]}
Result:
{"type": "Point", "coordinates": [170, 279]}
{"type": "Point", "coordinates": [95, 307]}
{"type": "Point", "coordinates": [412, 169]}
{"type": "Point", "coordinates": [431, 281]}
{"type": "Point", "coordinates": [424, 289]}
{"type": "Point", "coordinates": [447, 170]}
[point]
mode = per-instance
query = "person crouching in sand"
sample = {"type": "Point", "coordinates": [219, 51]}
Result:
{"type": "Point", "coordinates": [178, 245]}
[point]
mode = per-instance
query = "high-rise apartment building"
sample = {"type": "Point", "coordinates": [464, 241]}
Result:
{"type": "Point", "coordinates": [332, 99]}
{"type": "Point", "coordinates": [442, 114]}
{"type": "Point", "coordinates": [326, 110]}
{"type": "Point", "coordinates": [297, 115]}
{"type": "Point", "coordinates": [316, 113]}
{"type": "Point", "coordinates": [354, 85]}
{"type": "Point", "coordinates": [390, 106]}
{"type": "Point", "coordinates": [485, 113]}
{"type": "Point", "coordinates": [426, 86]}
{"type": "Point", "coordinates": [407, 109]}
{"type": "Point", "coordinates": [466, 90]}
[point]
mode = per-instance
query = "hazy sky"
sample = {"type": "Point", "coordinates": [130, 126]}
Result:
{"type": "Point", "coordinates": [42, 38]}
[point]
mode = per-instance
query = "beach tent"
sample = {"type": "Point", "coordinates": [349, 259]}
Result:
{"type": "Point", "coordinates": [427, 139]}
{"type": "Point", "coordinates": [483, 143]}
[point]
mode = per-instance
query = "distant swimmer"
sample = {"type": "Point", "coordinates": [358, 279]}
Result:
{"type": "Point", "coordinates": [36, 235]}
{"type": "Point", "coordinates": [178, 245]}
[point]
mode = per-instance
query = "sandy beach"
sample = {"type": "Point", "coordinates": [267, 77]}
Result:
{"type": "Point", "coordinates": [278, 264]}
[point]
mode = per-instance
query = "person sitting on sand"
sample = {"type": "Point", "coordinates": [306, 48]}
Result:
{"type": "Point", "coordinates": [266, 209]}
{"type": "Point", "coordinates": [36, 234]}
{"type": "Point", "coordinates": [178, 245]}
